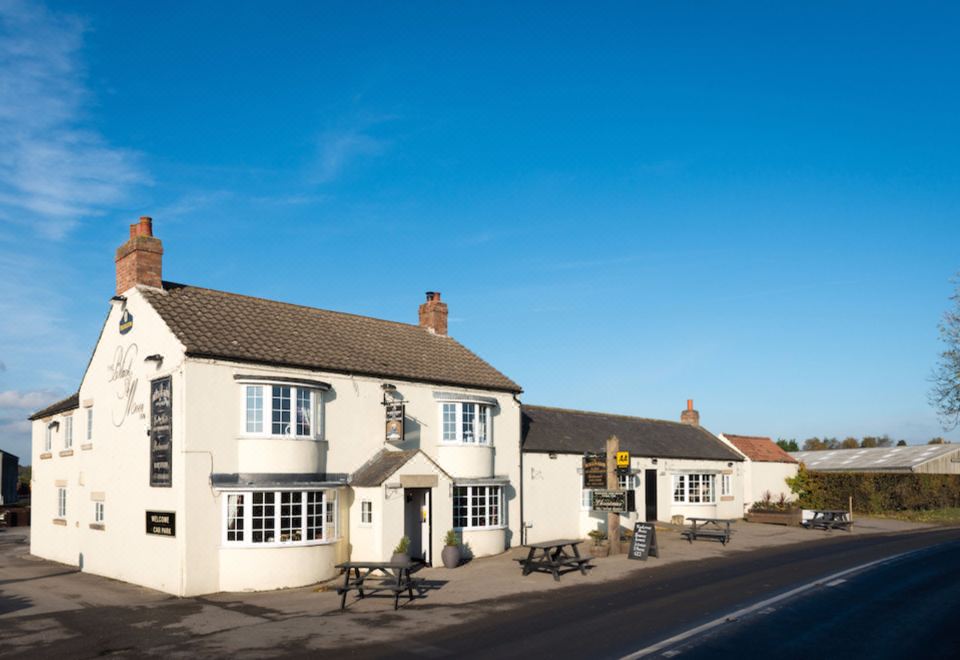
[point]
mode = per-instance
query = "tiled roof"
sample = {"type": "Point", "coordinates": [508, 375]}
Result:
{"type": "Point", "coordinates": [235, 327]}
{"type": "Point", "coordinates": [879, 459]}
{"type": "Point", "coordinates": [379, 468]}
{"type": "Point", "coordinates": [759, 449]}
{"type": "Point", "coordinates": [71, 402]}
{"type": "Point", "coordinates": [576, 431]}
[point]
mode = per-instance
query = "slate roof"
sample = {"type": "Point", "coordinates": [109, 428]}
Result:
{"type": "Point", "coordinates": [759, 449]}
{"type": "Point", "coordinates": [576, 431]}
{"type": "Point", "coordinates": [879, 459]}
{"type": "Point", "coordinates": [71, 402]}
{"type": "Point", "coordinates": [235, 327]}
{"type": "Point", "coordinates": [379, 468]}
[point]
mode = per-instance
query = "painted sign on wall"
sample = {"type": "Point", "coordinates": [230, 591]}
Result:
{"type": "Point", "coordinates": [162, 523]}
{"type": "Point", "coordinates": [594, 470]}
{"type": "Point", "coordinates": [161, 430]}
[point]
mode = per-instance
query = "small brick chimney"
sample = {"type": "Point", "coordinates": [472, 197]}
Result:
{"type": "Point", "coordinates": [433, 314]}
{"type": "Point", "coordinates": [690, 416]}
{"type": "Point", "coordinates": [140, 259]}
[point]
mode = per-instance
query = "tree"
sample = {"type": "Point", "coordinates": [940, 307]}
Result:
{"type": "Point", "coordinates": [788, 445]}
{"type": "Point", "coordinates": [945, 394]}
{"type": "Point", "coordinates": [937, 441]}
{"type": "Point", "coordinates": [868, 442]}
{"type": "Point", "coordinates": [884, 441]}
{"type": "Point", "coordinates": [813, 444]}
{"type": "Point", "coordinates": [901, 443]}
{"type": "Point", "coordinates": [849, 443]}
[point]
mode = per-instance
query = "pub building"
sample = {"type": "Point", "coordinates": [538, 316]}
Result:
{"type": "Point", "coordinates": [220, 442]}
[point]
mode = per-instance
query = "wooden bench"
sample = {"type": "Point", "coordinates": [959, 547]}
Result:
{"type": "Point", "coordinates": [553, 557]}
{"type": "Point", "coordinates": [708, 528]}
{"type": "Point", "coordinates": [376, 576]}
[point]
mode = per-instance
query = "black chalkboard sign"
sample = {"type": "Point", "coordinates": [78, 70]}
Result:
{"type": "Point", "coordinates": [161, 430]}
{"type": "Point", "coordinates": [644, 542]}
{"type": "Point", "coordinates": [162, 523]}
{"type": "Point", "coordinates": [594, 471]}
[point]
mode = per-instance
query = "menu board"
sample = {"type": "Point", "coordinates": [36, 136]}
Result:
{"type": "Point", "coordinates": [644, 542]}
{"type": "Point", "coordinates": [161, 431]}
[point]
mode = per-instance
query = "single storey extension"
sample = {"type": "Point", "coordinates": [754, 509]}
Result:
{"type": "Point", "coordinates": [767, 467]}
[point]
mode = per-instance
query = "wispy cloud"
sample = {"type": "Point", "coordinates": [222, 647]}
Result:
{"type": "Point", "coordinates": [342, 148]}
{"type": "Point", "coordinates": [55, 168]}
{"type": "Point", "coordinates": [29, 400]}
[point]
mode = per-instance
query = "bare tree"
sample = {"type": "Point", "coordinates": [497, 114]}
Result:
{"type": "Point", "coordinates": [945, 395]}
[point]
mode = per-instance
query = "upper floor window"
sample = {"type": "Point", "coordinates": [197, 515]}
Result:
{"type": "Point", "coordinates": [68, 432]}
{"type": "Point", "coordinates": [48, 438]}
{"type": "Point", "coordinates": [61, 503]}
{"type": "Point", "coordinates": [466, 422]}
{"type": "Point", "coordinates": [98, 512]}
{"type": "Point", "coordinates": [282, 410]}
{"type": "Point", "coordinates": [89, 424]}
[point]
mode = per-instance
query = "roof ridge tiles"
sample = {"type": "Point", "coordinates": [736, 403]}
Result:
{"type": "Point", "coordinates": [621, 416]}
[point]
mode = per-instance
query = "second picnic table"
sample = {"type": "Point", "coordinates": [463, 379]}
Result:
{"type": "Point", "coordinates": [710, 528]}
{"type": "Point", "coordinates": [553, 556]}
{"type": "Point", "coordinates": [389, 575]}
{"type": "Point", "coordinates": [829, 519]}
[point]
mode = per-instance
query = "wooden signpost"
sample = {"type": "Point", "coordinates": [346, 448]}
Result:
{"type": "Point", "coordinates": [613, 519]}
{"type": "Point", "coordinates": [644, 542]}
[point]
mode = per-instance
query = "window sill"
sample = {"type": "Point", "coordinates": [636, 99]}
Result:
{"type": "Point", "coordinates": [726, 498]}
{"type": "Point", "coordinates": [457, 443]}
{"type": "Point", "coordinates": [272, 546]}
{"type": "Point", "coordinates": [60, 521]}
{"type": "Point", "coordinates": [66, 452]}
{"type": "Point", "coordinates": [694, 503]}
{"type": "Point", "coordinates": [479, 529]}
{"type": "Point", "coordinates": [87, 447]}
{"type": "Point", "coordinates": [302, 438]}
{"type": "Point", "coordinates": [99, 526]}
{"type": "Point", "coordinates": [45, 455]}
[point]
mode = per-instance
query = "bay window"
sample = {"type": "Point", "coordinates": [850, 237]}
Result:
{"type": "Point", "coordinates": [466, 422]}
{"type": "Point", "coordinates": [477, 507]}
{"type": "Point", "coordinates": [694, 488]}
{"type": "Point", "coordinates": [282, 410]}
{"type": "Point", "coordinates": [280, 517]}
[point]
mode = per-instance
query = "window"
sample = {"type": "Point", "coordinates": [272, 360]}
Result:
{"type": "Point", "coordinates": [48, 438]}
{"type": "Point", "coordinates": [466, 422]}
{"type": "Point", "coordinates": [694, 488]}
{"type": "Point", "coordinates": [477, 507]}
{"type": "Point", "coordinates": [366, 512]}
{"type": "Point", "coordinates": [98, 512]}
{"type": "Point", "coordinates": [280, 517]}
{"type": "Point", "coordinates": [68, 432]}
{"type": "Point", "coordinates": [281, 410]}
{"type": "Point", "coordinates": [61, 503]}
{"type": "Point", "coordinates": [89, 424]}
{"type": "Point", "coordinates": [626, 481]}
{"type": "Point", "coordinates": [725, 484]}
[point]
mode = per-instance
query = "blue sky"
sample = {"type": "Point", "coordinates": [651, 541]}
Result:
{"type": "Point", "coordinates": [625, 205]}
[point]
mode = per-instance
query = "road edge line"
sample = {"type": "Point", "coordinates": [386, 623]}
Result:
{"type": "Point", "coordinates": [762, 604]}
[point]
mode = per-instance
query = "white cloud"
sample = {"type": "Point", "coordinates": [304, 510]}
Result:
{"type": "Point", "coordinates": [55, 169]}
{"type": "Point", "coordinates": [28, 400]}
{"type": "Point", "coordinates": [341, 148]}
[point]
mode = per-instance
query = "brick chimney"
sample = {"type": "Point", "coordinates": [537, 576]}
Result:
{"type": "Point", "coordinates": [140, 259]}
{"type": "Point", "coordinates": [433, 314]}
{"type": "Point", "coordinates": [690, 416]}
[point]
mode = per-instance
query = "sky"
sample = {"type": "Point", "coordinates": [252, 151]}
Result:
{"type": "Point", "coordinates": [625, 205]}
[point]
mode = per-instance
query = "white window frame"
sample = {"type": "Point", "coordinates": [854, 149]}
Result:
{"type": "Point", "coordinates": [266, 422]}
{"type": "Point", "coordinates": [460, 438]}
{"type": "Point", "coordinates": [473, 498]}
{"type": "Point", "coordinates": [61, 503]}
{"type": "Point", "coordinates": [687, 490]}
{"type": "Point", "coordinates": [90, 424]}
{"type": "Point", "coordinates": [725, 485]}
{"type": "Point", "coordinates": [98, 512]}
{"type": "Point", "coordinates": [68, 432]}
{"type": "Point", "coordinates": [366, 513]}
{"type": "Point", "coordinates": [328, 512]}
{"type": "Point", "coordinates": [48, 438]}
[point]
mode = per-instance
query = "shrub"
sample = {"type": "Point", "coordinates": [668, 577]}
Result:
{"type": "Point", "coordinates": [403, 546]}
{"type": "Point", "coordinates": [451, 538]}
{"type": "Point", "coordinates": [876, 492]}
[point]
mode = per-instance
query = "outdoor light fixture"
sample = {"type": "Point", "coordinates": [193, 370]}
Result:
{"type": "Point", "coordinates": [54, 425]}
{"type": "Point", "coordinates": [729, 464]}
{"type": "Point", "coordinates": [388, 387]}
{"type": "Point", "coordinates": [553, 454]}
{"type": "Point", "coordinates": [118, 299]}
{"type": "Point", "coordinates": [654, 461]}
{"type": "Point", "coordinates": [156, 357]}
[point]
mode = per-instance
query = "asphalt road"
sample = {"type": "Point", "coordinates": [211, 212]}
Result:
{"type": "Point", "coordinates": [612, 620]}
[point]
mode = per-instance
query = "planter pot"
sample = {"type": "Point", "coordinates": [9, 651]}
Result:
{"type": "Point", "coordinates": [400, 556]}
{"type": "Point", "coordinates": [776, 517]}
{"type": "Point", "coordinates": [450, 556]}
{"type": "Point", "coordinates": [600, 550]}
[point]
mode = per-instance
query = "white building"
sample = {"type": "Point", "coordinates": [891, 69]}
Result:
{"type": "Point", "coordinates": [220, 442]}
{"type": "Point", "coordinates": [767, 467]}
{"type": "Point", "coordinates": [675, 469]}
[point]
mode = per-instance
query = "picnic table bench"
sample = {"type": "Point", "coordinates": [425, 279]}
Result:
{"type": "Point", "coordinates": [386, 575]}
{"type": "Point", "coordinates": [553, 557]}
{"type": "Point", "coordinates": [709, 528]}
{"type": "Point", "coordinates": [829, 519]}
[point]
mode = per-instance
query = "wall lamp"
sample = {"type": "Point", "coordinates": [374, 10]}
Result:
{"type": "Point", "coordinates": [54, 425]}
{"type": "Point", "coordinates": [730, 464]}
{"type": "Point", "coordinates": [121, 299]}
{"type": "Point", "coordinates": [156, 357]}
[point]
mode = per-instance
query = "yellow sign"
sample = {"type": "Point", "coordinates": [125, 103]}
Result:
{"type": "Point", "coordinates": [623, 459]}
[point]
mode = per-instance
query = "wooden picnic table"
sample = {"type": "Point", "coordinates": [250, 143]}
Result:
{"type": "Point", "coordinates": [710, 528]}
{"type": "Point", "coordinates": [554, 556]}
{"type": "Point", "coordinates": [829, 519]}
{"type": "Point", "coordinates": [387, 575]}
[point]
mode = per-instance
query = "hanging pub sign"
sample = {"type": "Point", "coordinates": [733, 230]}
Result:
{"type": "Point", "coordinates": [595, 470]}
{"type": "Point", "coordinates": [609, 500]}
{"type": "Point", "coordinates": [126, 322]}
{"type": "Point", "coordinates": [395, 414]}
{"type": "Point", "coordinates": [162, 523]}
{"type": "Point", "coordinates": [644, 543]}
{"type": "Point", "coordinates": [161, 430]}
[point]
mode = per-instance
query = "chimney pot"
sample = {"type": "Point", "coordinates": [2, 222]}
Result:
{"type": "Point", "coordinates": [689, 404]}
{"type": "Point", "coordinates": [433, 314]}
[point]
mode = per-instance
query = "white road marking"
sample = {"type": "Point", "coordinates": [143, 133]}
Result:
{"type": "Point", "coordinates": [733, 616]}
{"type": "Point", "coordinates": [836, 582]}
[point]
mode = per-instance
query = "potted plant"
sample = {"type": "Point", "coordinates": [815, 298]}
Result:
{"type": "Point", "coordinates": [402, 552]}
{"type": "Point", "coordinates": [600, 547]}
{"type": "Point", "coordinates": [451, 550]}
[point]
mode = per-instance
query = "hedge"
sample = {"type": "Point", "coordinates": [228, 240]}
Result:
{"type": "Point", "coordinates": [877, 493]}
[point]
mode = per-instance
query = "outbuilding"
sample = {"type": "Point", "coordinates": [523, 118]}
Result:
{"type": "Point", "coordinates": [676, 469]}
{"type": "Point", "coordinates": [926, 459]}
{"type": "Point", "coordinates": [221, 442]}
{"type": "Point", "coordinates": [766, 467]}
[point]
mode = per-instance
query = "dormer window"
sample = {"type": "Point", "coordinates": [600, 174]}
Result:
{"type": "Point", "coordinates": [282, 410]}
{"type": "Point", "coordinates": [466, 422]}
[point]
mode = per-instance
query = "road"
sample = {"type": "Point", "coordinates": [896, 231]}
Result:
{"type": "Point", "coordinates": [911, 600]}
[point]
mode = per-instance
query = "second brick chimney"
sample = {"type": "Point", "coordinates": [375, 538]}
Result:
{"type": "Point", "coordinates": [690, 416]}
{"type": "Point", "coordinates": [140, 259]}
{"type": "Point", "coordinates": [433, 314]}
